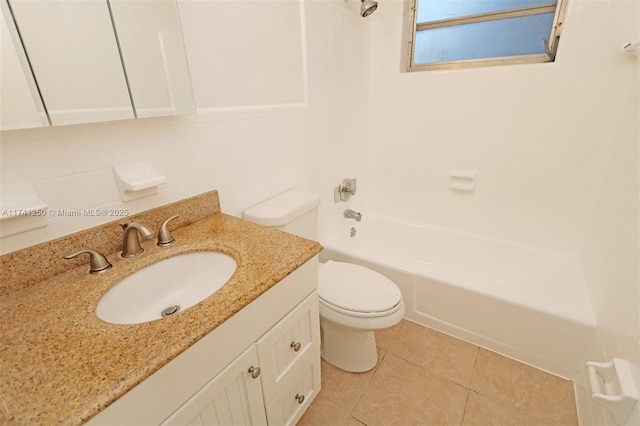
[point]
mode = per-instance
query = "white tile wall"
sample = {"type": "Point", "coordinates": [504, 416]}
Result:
{"type": "Point", "coordinates": [522, 128]}
{"type": "Point", "coordinates": [610, 250]}
{"type": "Point", "coordinates": [243, 72]}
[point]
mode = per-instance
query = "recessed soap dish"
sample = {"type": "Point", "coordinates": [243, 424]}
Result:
{"type": "Point", "coordinates": [31, 206]}
{"type": "Point", "coordinates": [137, 180]}
{"type": "Point", "coordinates": [462, 180]}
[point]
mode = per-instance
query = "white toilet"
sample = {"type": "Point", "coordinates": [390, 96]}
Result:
{"type": "Point", "coordinates": [354, 300]}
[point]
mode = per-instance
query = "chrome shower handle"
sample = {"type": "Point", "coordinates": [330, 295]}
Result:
{"type": "Point", "coordinates": [345, 190]}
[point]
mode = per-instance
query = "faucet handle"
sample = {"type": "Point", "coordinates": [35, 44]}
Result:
{"type": "Point", "coordinates": [164, 235]}
{"type": "Point", "coordinates": [345, 190]}
{"type": "Point", "coordinates": [97, 261]}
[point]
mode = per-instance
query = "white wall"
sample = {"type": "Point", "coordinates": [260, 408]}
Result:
{"type": "Point", "coordinates": [610, 256]}
{"type": "Point", "coordinates": [537, 135]}
{"type": "Point", "coordinates": [555, 148]}
{"type": "Point", "coordinates": [610, 250]}
{"type": "Point", "coordinates": [314, 137]}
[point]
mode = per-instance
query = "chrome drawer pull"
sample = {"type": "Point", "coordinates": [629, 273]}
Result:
{"type": "Point", "coordinates": [255, 371]}
{"type": "Point", "coordinates": [296, 346]}
{"type": "Point", "coordinates": [299, 398]}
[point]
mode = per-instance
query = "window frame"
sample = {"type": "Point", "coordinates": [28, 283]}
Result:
{"type": "Point", "coordinates": [551, 44]}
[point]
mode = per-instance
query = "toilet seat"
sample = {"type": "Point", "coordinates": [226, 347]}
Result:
{"type": "Point", "coordinates": [357, 291]}
{"type": "Point", "coordinates": [359, 314]}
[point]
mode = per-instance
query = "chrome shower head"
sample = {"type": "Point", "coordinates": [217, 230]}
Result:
{"type": "Point", "coordinates": [368, 7]}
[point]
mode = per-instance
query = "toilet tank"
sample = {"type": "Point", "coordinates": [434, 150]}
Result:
{"type": "Point", "coordinates": [294, 211]}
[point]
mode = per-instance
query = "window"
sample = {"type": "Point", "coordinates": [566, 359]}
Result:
{"type": "Point", "coordinates": [470, 33]}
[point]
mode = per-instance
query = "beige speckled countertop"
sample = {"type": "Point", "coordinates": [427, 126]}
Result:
{"type": "Point", "coordinates": [61, 364]}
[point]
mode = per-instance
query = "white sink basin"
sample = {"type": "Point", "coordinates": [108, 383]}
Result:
{"type": "Point", "coordinates": [165, 288]}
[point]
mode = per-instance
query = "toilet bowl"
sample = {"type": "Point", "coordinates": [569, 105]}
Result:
{"type": "Point", "coordinates": [354, 300]}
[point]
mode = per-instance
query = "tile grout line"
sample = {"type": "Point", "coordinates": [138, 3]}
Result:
{"type": "Point", "coordinates": [364, 389]}
{"type": "Point", "coordinates": [475, 367]}
{"type": "Point", "coordinates": [464, 410]}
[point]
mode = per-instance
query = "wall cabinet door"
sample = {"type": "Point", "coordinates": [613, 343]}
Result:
{"type": "Point", "coordinates": [233, 397]}
{"type": "Point", "coordinates": [21, 105]}
{"type": "Point", "coordinates": [75, 59]}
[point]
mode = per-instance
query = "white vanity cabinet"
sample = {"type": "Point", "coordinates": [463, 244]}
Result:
{"type": "Point", "coordinates": [281, 371]}
{"type": "Point", "coordinates": [217, 382]}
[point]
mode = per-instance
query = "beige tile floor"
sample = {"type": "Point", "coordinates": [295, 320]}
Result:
{"type": "Point", "coordinates": [424, 377]}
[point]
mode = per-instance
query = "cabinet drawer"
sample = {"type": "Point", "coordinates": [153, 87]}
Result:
{"type": "Point", "coordinates": [298, 393]}
{"type": "Point", "coordinates": [295, 336]}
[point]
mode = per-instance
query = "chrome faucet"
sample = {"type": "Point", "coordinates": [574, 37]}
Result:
{"type": "Point", "coordinates": [130, 243]}
{"type": "Point", "coordinates": [351, 214]}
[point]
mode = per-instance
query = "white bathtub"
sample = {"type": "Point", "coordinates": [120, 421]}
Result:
{"type": "Point", "coordinates": [524, 302]}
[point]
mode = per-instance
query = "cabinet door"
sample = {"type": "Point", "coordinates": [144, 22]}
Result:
{"type": "Point", "coordinates": [293, 338]}
{"type": "Point", "coordinates": [233, 397]}
{"type": "Point", "coordinates": [75, 59]}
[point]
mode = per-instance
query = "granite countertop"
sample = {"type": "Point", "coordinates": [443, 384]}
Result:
{"type": "Point", "coordinates": [61, 364]}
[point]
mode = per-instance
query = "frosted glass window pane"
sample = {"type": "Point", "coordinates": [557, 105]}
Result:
{"type": "Point", "coordinates": [504, 37]}
{"type": "Point", "coordinates": [435, 10]}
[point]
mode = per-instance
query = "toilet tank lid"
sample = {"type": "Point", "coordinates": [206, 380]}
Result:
{"type": "Point", "coordinates": [283, 208]}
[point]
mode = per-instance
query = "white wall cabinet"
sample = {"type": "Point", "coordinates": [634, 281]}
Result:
{"type": "Point", "coordinates": [212, 383]}
{"type": "Point", "coordinates": [77, 53]}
